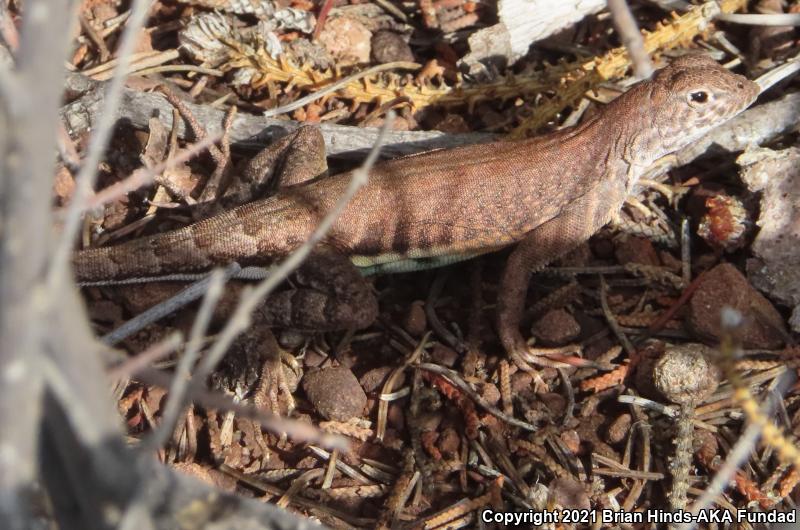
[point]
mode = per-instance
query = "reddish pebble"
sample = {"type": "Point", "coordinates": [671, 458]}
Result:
{"type": "Point", "coordinates": [335, 393]}
{"type": "Point", "coordinates": [415, 322]}
{"type": "Point", "coordinates": [724, 285]}
{"type": "Point", "coordinates": [636, 250]}
{"type": "Point", "coordinates": [556, 328]}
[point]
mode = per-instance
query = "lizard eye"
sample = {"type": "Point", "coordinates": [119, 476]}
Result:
{"type": "Point", "coordinates": [698, 96]}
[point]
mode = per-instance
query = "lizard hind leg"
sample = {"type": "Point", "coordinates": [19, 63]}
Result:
{"type": "Point", "coordinates": [328, 294]}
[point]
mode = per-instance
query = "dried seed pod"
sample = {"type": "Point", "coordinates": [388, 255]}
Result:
{"type": "Point", "coordinates": [685, 374]}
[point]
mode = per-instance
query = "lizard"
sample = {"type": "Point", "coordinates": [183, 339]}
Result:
{"type": "Point", "coordinates": [546, 194]}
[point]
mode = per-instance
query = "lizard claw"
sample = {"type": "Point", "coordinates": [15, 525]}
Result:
{"type": "Point", "coordinates": [517, 350]}
{"type": "Point", "coordinates": [522, 359]}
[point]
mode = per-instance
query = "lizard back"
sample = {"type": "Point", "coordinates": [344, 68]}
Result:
{"type": "Point", "coordinates": [457, 202]}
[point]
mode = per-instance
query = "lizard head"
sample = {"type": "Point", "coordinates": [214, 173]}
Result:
{"type": "Point", "coordinates": [693, 95]}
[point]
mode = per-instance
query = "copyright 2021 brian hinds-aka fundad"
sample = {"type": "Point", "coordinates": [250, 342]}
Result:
{"type": "Point", "coordinates": [579, 517]}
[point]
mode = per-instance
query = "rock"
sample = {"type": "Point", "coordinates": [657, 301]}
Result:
{"type": "Point", "coordinates": [556, 327]}
{"type": "Point", "coordinates": [335, 393]}
{"type": "Point", "coordinates": [619, 428]}
{"type": "Point", "coordinates": [388, 47]}
{"type": "Point", "coordinates": [522, 386]}
{"type": "Point", "coordinates": [449, 442]}
{"type": "Point", "coordinates": [724, 285]}
{"type": "Point", "coordinates": [637, 250]}
{"type": "Point", "coordinates": [490, 393]}
{"type": "Point", "coordinates": [555, 403]}
{"type": "Point", "coordinates": [569, 494]}
{"type": "Point", "coordinates": [347, 40]}
{"type": "Point", "coordinates": [373, 380]}
{"type": "Point", "coordinates": [725, 223]}
{"type": "Point", "coordinates": [441, 354]}
{"type": "Point", "coordinates": [415, 322]}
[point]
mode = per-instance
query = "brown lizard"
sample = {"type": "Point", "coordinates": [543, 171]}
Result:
{"type": "Point", "coordinates": [548, 194]}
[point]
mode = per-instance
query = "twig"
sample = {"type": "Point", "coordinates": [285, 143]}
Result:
{"type": "Point", "coordinates": [756, 19]}
{"type": "Point", "coordinates": [138, 107]}
{"type": "Point", "coordinates": [131, 365]}
{"type": "Point", "coordinates": [742, 450]}
{"type": "Point", "coordinates": [144, 176]}
{"type": "Point", "coordinates": [296, 430]}
{"type": "Point", "coordinates": [433, 318]}
{"type": "Point", "coordinates": [167, 307]}
{"type": "Point", "coordinates": [95, 37]}
{"type": "Point", "coordinates": [29, 100]}
{"type": "Point", "coordinates": [631, 38]}
{"type": "Point", "coordinates": [85, 180]}
{"type": "Point", "coordinates": [671, 5]}
{"type": "Point", "coordinates": [611, 319]}
{"type": "Point", "coordinates": [183, 372]}
{"type": "Point", "coordinates": [453, 378]}
{"type": "Point", "coordinates": [790, 67]}
{"type": "Point", "coordinates": [271, 489]}
{"type": "Point", "coordinates": [682, 459]}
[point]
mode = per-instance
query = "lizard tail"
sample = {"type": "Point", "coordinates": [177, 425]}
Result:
{"type": "Point", "coordinates": [140, 258]}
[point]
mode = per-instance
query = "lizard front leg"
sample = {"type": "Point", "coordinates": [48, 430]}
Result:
{"type": "Point", "coordinates": [572, 226]}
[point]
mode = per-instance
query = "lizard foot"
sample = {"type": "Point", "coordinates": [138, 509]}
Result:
{"type": "Point", "coordinates": [517, 349]}
{"type": "Point", "coordinates": [522, 355]}
{"type": "Point", "coordinates": [278, 374]}
{"type": "Point", "coordinates": [221, 155]}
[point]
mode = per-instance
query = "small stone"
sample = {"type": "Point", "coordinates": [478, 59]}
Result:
{"type": "Point", "coordinates": [373, 380]}
{"type": "Point", "coordinates": [313, 358]}
{"type": "Point", "coordinates": [569, 494]}
{"type": "Point", "coordinates": [602, 247]}
{"type": "Point", "coordinates": [555, 403]}
{"type": "Point", "coordinates": [619, 428]}
{"type": "Point", "coordinates": [636, 250]}
{"type": "Point", "coordinates": [335, 393]}
{"type": "Point", "coordinates": [212, 477]}
{"type": "Point", "coordinates": [725, 223]}
{"type": "Point", "coordinates": [347, 40]}
{"type": "Point", "coordinates": [556, 327]}
{"type": "Point", "coordinates": [395, 416]}
{"type": "Point", "coordinates": [521, 382]}
{"type": "Point", "coordinates": [685, 374]}
{"type": "Point", "coordinates": [571, 440]}
{"type": "Point", "coordinates": [449, 442]}
{"type": "Point", "coordinates": [441, 354]}
{"type": "Point", "coordinates": [416, 322]}
{"type": "Point", "coordinates": [490, 393]}
{"type": "Point", "coordinates": [388, 47]}
{"type": "Point", "coordinates": [63, 184]}
{"type": "Point", "coordinates": [763, 327]}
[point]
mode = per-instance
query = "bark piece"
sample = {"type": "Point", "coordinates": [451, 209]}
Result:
{"type": "Point", "coordinates": [776, 268]}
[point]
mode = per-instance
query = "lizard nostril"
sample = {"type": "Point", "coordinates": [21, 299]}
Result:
{"type": "Point", "coordinates": [740, 85]}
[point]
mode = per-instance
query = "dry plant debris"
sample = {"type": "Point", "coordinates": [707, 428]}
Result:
{"type": "Point", "coordinates": [624, 316]}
